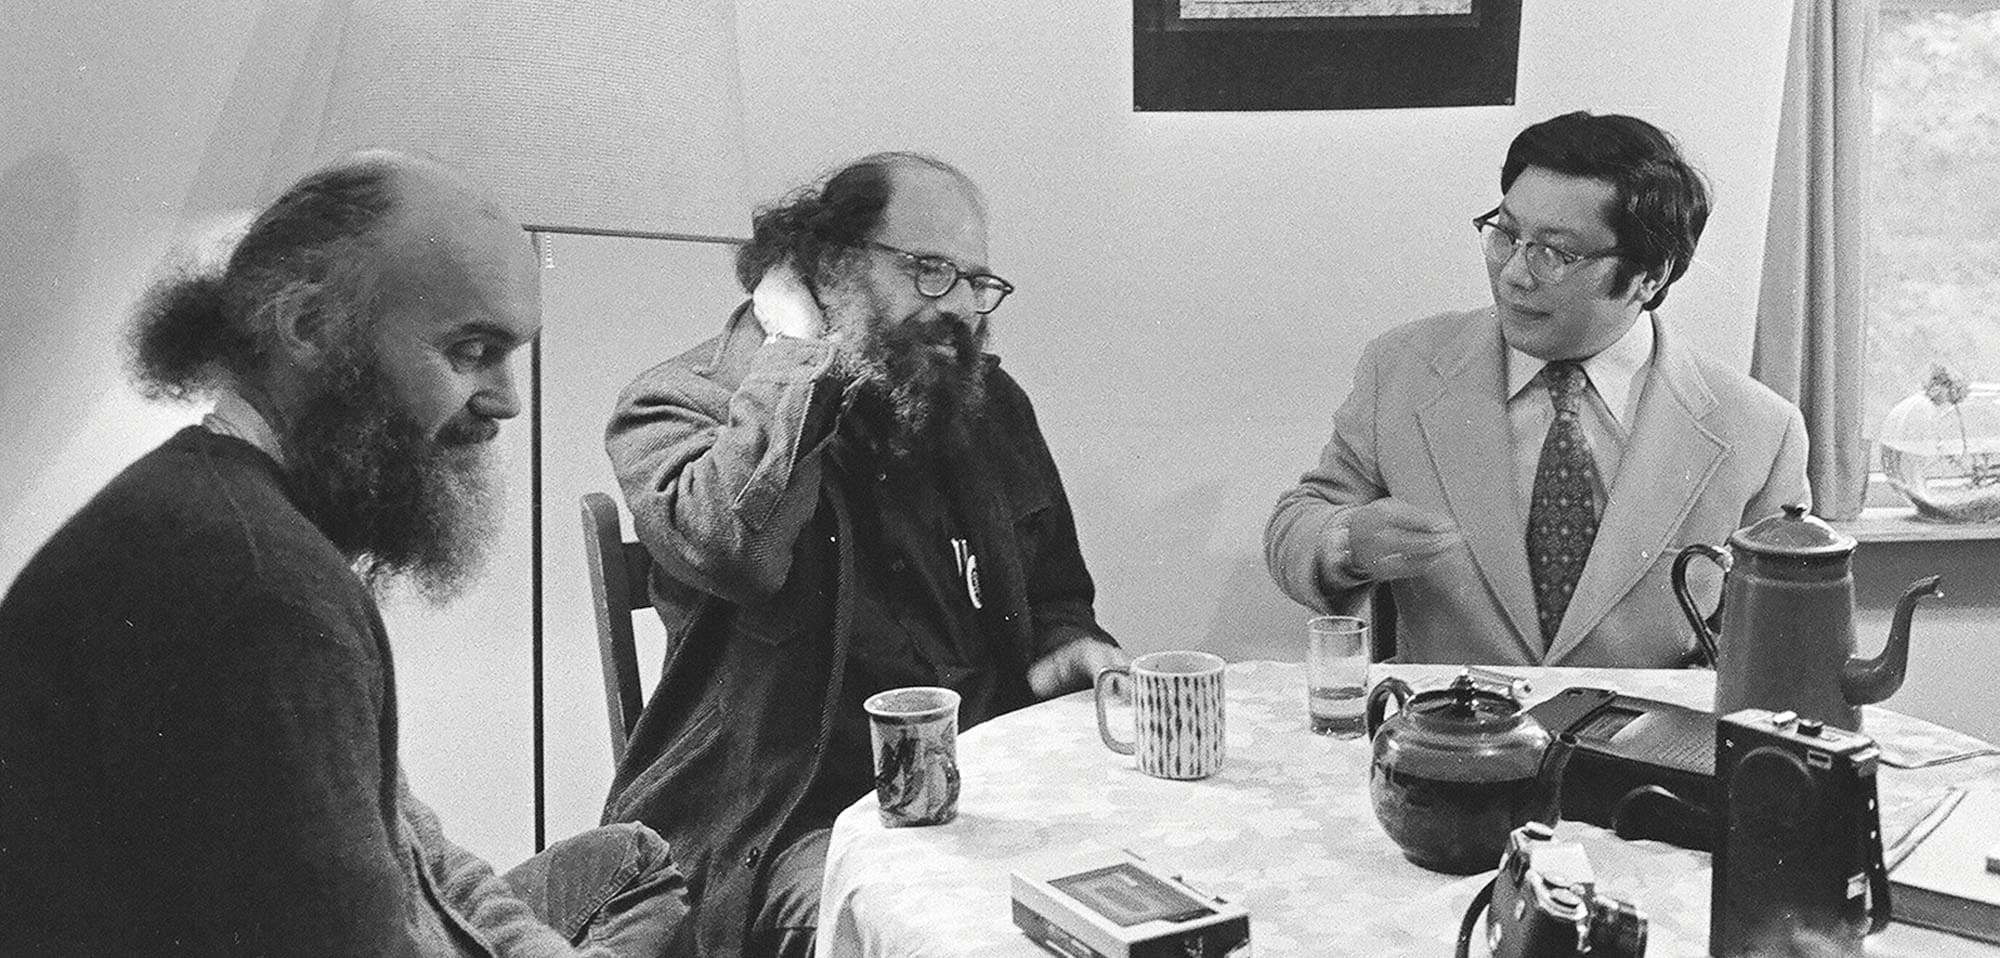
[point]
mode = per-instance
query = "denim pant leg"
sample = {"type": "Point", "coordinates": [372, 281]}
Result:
{"type": "Point", "coordinates": [615, 887]}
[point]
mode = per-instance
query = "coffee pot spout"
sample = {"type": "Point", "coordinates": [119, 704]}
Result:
{"type": "Point", "coordinates": [1866, 681]}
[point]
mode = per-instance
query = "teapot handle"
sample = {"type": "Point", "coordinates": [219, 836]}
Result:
{"type": "Point", "coordinates": [1390, 687]}
{"type": "Point", "coordinates": [1705, 627]}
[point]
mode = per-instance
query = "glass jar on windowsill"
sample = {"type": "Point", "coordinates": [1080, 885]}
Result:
{"type": "Point", "coordinates": [1941, 449]}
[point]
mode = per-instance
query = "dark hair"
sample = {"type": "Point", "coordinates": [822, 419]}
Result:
{"type": "Point", "coordinates": [815, 225]}
{"type": "Point", "coordinates": [299, 255]}
{"type": "Point", "coordinates": [1660, 201]}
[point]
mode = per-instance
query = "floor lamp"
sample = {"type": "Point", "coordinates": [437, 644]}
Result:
{"type": "Point", "coordinates": [619, 118]}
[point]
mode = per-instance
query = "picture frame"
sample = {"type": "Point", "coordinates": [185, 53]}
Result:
{"type": "Point", "coordinates": [1301, 55]}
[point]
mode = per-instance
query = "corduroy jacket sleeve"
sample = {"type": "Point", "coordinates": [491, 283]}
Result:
{"type": "Point", "coordinates": [719, 459]}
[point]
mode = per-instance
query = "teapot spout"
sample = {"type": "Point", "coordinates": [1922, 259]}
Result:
{"type": "Point", "coordinates": [1866, 681]}
{"type": "Point", "coordinates": [1549, 779]}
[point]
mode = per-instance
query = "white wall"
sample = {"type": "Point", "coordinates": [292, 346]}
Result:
{"type": "Point", "coordinates": [127, 129]}
{"type": "Point", "coordinates": [1194, 288]}
{"type": "Point", "coordinates": [612, 308]}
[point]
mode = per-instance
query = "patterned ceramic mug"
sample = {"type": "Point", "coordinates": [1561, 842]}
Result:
{"type": "Point", "coordinates": [1176, 713]}
{"type": "Point", "coordinates": [915, 734]}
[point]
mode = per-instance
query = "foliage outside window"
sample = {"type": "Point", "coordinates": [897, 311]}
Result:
{"type": "Point", "coordinates": [1934, 255]}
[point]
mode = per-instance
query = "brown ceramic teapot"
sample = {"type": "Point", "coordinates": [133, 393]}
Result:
{"type": "Point", "coordinates": [1456, 769]}
{"type": "Point", "coordinates": [1782, 637]}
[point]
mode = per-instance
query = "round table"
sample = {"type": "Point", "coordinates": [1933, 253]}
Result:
{"type": "Point", "coordinates": [1286, 829]}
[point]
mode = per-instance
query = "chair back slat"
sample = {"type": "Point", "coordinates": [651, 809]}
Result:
{"type": "Point", "coordinates": [1382, 623]}
{"type": "Point", "coordinates": [618, 576]}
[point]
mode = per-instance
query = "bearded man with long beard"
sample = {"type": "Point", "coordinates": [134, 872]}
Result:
{"type": "Point", "coordinates": [842, 493]}
{"type": "Point", "coordinates": [198, 741]}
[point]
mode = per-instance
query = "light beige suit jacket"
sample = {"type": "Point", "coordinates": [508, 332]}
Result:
{"type": "Point", "coordinates": [1711, 450]}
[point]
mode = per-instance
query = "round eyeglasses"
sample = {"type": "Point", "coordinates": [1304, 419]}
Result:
{"type": "Point", "coordinates": [935, 276]}
{"type": "Point", "coordinates": [1547, 264]}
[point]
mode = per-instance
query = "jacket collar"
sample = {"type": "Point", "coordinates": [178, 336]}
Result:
{"type": "Point", "coordinates": [1669, 439]}
{"type": "Point", "coordinates": [1463, 421]}
{"type": "Point", "coordinates": [732, 351]}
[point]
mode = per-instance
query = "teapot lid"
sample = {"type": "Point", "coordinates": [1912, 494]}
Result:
{"type": "Point", "coordinates": [1793, 532]}
{"type": "Point", "coordinates": [1466, 702]}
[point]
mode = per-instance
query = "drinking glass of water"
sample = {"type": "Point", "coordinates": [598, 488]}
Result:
{"type": "Point", "coordinates": [1336, 671]}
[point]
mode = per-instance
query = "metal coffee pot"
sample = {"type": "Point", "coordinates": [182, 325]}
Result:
{"type": "Point", "coordinates": [1782, 635]}
{"type": "Point", "coordinates": [1456, 769]}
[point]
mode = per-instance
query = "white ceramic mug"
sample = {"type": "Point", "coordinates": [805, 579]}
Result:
{"type": "Point", "coordinates": [1176, 713]}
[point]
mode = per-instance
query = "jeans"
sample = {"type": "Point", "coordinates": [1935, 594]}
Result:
{"type": "Point", "coordinates": [613, 887]}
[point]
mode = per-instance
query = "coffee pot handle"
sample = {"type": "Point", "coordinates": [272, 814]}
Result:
{"type": "Point", "coordinates": [1705, 627]}
{"type": "Point", "coordinates": [1390, 687]}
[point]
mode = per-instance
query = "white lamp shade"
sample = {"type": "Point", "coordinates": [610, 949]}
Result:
{"type": "Point", "coordinates": [581, 115]}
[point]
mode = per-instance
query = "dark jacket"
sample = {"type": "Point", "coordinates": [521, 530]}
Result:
{"type": "Point", "coordinates": [720, 453]}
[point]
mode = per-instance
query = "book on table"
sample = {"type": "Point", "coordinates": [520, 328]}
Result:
{"type": "Point", "coordinates": [1944, 883]}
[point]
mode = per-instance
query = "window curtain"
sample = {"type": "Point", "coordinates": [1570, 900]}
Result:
{"type": "Point", "coordinates": [1812, 309]}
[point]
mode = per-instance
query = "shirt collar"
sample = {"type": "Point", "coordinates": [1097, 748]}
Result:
{"type": "Point", "coordinates": [1612, 372]}
{"type": "Point", "coordinates": [234, 416]}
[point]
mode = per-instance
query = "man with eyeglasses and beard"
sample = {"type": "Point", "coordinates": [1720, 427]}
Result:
{"type": "Point", "coordinates": [842, 494]}
{"type": "Point", "coordinates": [1520, 477]}
{"type": "Point", "coordinates": [198, 737]}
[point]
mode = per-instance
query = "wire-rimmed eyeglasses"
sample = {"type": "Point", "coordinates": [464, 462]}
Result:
{"type": "Point", "coordinates": [1547, 264]}
{"type": "Point", "coordinates": [935, 276]}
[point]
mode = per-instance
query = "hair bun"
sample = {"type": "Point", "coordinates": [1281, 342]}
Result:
{"type": "Point", "coordinates": [179, 335]}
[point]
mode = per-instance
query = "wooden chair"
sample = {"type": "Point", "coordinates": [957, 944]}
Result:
{"type": "Point", "coordinates": [618, 574]}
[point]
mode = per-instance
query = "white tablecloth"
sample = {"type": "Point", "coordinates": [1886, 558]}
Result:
{"type": "Point", "coordinates": [1285, 829]}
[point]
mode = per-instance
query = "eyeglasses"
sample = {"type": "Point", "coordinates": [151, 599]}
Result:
{"type": "Point", "coordinates": [936, 275]}
{"type": "Point", "coordinates": [1547, 264]}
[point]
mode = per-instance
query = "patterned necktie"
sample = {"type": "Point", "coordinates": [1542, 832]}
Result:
{"type": "Point", "coordinates": [1562, 513]}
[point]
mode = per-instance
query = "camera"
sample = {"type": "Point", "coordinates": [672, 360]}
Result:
{"type": "Point", "coordinates": [1546, 904]}
{"type": "Point", "coordinates": [1798, 852]}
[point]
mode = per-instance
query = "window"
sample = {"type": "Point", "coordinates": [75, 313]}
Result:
{"type": "Point", "coordinates": [1934, 252]}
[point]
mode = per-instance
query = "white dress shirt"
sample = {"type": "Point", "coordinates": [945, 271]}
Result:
{"type": "Point", "coordinates": [234, 416]}
{"type": "Point", "coordinates": [1617, 381]}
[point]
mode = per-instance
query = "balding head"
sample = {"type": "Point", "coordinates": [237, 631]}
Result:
{"type": "Point", "coordinates": [814, 227]}
{"type": "Point", "coordinates": [371, 315]}
{"type": "Point", "coordinates": [309, 259]}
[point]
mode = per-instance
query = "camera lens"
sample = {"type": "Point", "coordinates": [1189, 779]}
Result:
{"type": "Point", "coordinates": [1617, 927]}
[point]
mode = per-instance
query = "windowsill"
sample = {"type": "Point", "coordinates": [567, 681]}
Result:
{"type": "Point", "coordinates": [1901, 524]}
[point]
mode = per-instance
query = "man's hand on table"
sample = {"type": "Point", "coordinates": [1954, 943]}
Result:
{"type": "Point", "coordinates": [1390, 539]}
{"type": "Point", "coordinates": [1073, 666]}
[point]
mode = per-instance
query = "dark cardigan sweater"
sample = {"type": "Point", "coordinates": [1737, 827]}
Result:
{"type": "Point", "coordinates": [198, 739]}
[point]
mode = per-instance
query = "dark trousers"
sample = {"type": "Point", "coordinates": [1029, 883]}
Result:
{"type": "Point", "coordinates": [789, 916]}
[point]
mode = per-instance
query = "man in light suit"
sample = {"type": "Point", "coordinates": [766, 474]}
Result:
{"type": "Point", "coordinates": [1523, 474]}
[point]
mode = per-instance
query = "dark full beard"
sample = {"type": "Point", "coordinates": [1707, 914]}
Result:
{"type": "Point", "coordinates": [920, 397]}
{"type": "Point", "coordinates": [401, 505]}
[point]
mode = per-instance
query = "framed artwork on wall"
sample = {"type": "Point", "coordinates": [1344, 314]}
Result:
{"type": "Point", "coordinates": [1205, 55]}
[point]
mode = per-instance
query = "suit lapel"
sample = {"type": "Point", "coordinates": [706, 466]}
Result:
{"type": "Point", "coordinates": [1465, 432]}
{"type": "Point", "coordinates": [1668, 440]}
